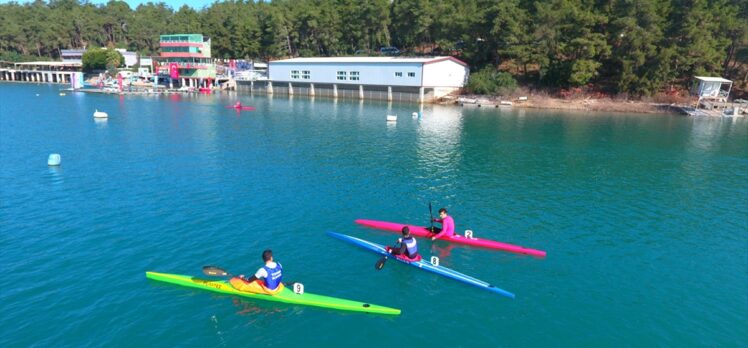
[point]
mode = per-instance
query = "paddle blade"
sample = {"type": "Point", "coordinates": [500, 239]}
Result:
{"type": "Point", "coordinates": [214, 271]}
{"type": "Point", "coordinates": [380, 264]}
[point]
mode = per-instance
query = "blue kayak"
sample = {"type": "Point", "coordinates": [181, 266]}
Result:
{"type": "Point", "coordinates": [425, 265]}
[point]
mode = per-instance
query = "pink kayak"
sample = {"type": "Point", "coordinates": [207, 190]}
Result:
{"type": "Point", "coordinates": [420, 231]}
{"type": "Point", "coordinates": [248, 108]}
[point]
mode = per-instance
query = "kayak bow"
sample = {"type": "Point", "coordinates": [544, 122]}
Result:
{"type": "Point", "coordinates": [423, 232]}
{"type": "Point", "coordinates": [286, 295]}
{"type": "Point", "coordinates": [424, 265]}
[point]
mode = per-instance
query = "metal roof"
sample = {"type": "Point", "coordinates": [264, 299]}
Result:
{"type": "Point", "coordinates": [54, 63]}
{"type": "Point", "coordinates": [380, 60]}
{"type": "Point", "coordinates": [712, 79]}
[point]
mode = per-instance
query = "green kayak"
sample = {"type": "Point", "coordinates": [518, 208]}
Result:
{"type": "Point", "coordinates": [286, 295]}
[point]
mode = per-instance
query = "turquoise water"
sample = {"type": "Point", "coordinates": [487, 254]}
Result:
{"type": "Point", "coordinates": [644, 219]}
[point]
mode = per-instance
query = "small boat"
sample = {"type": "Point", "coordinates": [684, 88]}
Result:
{"type": "Point", "coordinates": [734, 112]}
{"type": "Point", "coordinates": [391, 118]}
{"type": "Point", "coordinates": [100, 114]}
{"type": "Point", "coordinates": [425, 232]}
{"type": "Point", "coordinates": [422, 264]}
{"type": "Point", "coordinates": [285, 296]}
{"type": "Point", "coordinates": [241, 107]}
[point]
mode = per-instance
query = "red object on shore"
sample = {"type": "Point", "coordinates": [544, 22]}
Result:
{"type": "Point", "coordinates": [174, 70]}
{"type": "Point", "coordinates": [423, 232]}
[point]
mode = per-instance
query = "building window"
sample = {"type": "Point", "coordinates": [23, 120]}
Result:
{"type": "Point", "coordinates": [294, 74]}
{"type": "Point", "coordinates": [411, 74]}
{"type": "Point", "coordinates": [354, 75]}
{"type": "Point", "coordinates": [342, 75]}
{"type": "Point", "coordinates": [398, 74]}
{"type": "Point", "coordinates": [306, 74]}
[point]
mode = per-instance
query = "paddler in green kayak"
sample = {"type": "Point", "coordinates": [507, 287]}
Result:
{"type": "Point", "coordinates": [267, 279]}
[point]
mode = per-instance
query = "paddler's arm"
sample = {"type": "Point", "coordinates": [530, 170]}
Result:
{"type": "Point", "coordinates": [248, 280]}
{"type": "Point", "coordinates": [441, 232]}
{"type": "Point", "coordinates": [258, 275]}
{"type": "Point", "coordinates": [401, 250]}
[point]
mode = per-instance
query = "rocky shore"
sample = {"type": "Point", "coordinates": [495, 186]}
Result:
{"type": "Point", "coordinates": [571, 104]}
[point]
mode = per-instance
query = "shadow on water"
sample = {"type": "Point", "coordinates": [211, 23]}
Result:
{"type": "Point", "coordinates": [55, 174]}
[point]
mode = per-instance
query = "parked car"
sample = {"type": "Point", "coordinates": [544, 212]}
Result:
{"type": "Point", "coordinates": [389, 51]}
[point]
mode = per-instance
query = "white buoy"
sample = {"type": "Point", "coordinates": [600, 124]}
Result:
{"type": "Point", "coordinates": [54, 159]}
{"type": "Point", "coordinates": [415, 115]}
{"type": "Point", "coordinates": [391, 118]}
{"type": "Point", "coordinates": [100, 114]}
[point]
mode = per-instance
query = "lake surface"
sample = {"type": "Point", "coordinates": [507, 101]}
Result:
{"type": "Point", "coordinates": [644, 218]}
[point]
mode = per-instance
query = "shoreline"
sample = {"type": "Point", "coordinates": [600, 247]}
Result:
{"type": "Point", "coordinates": [579, 104]}
{"type": "Point", "coordinates": [532, 102]}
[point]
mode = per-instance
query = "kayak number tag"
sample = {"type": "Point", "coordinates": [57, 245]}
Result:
{"type": "Point", "coordinates": [298, 288]}
{"type": "Point", "coordinates": [435, 261]}
{"type": "Point", "coordinates": [469, 234]}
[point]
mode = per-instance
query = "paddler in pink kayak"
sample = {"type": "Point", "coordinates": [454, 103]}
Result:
{"type": "Point", "coordinates": [448, 225]}
{"type": "Point", "coordinates": [408, 245]}
{"type": "Point", "coordinates": [238, 105]}
{"type": "Point", "coordinates": [267, 279]}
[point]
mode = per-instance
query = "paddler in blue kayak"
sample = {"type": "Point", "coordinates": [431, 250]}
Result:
{"type": "Point", "coordinates": [267, 279]}
{"type": "Point", "coordinates": [448, 225]}
{"type": "Point", "coordinates": [408, 246]}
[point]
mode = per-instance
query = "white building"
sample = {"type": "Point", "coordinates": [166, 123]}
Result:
{"type": "Point", "coordinates": [131, 58]}
{"type": "Point", "coordinates": [429, 78]}
{"type": "Point", "coordinates": [76, 56]}
{"type": "Point", "coordinates": [711, 88]}
{"type": "Point", "coordinates": [72, 56]}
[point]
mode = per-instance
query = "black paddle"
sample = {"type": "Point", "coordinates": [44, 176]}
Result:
{"type": "Point", "coordinates": [431, 214]}
{"type": "Point", "coordinates": [380, 263]}
{"type": "Point", "coordinates": [216, 271]}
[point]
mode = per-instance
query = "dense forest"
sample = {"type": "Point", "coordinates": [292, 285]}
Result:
{"type": "Point", "coordinates": [627, 47]}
